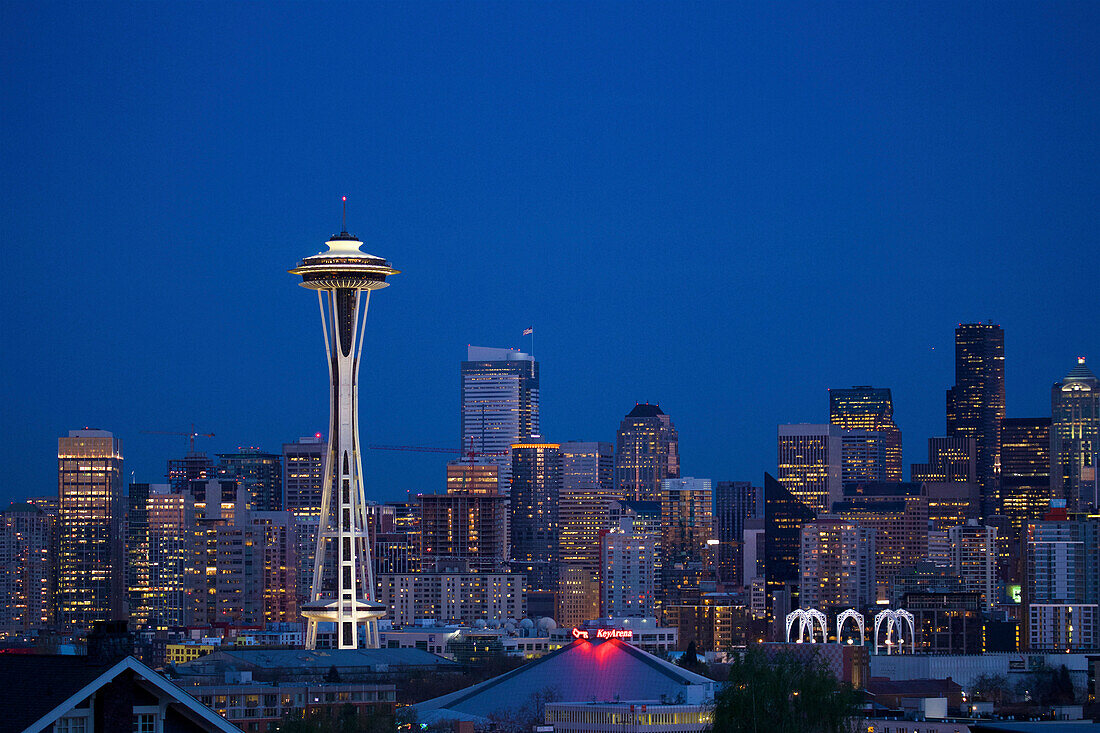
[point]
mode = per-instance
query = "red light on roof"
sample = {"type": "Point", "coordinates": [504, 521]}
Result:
{"type": "Point", "coordinates": [344, 198]}
{"type": "Point", "coordinates": [316, 435]}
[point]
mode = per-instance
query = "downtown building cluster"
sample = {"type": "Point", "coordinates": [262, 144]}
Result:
{"type": "Point", "coordinates": [993, 543]}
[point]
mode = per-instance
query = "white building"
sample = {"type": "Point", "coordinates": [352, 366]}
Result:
{"type": "Point", "coordinates": [629, 559]}
{"type": "Point", "coordinates": [974, 559]}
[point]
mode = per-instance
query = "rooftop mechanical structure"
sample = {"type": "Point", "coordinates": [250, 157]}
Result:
{"type": "Point", "coordinates": [343, 591]}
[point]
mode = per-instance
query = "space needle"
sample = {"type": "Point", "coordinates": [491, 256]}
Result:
{"type": "Point", "coordinates": [344, 593]}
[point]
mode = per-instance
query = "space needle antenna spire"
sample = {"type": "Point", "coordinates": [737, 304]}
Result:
{"type": "Point", "coordinates": [342, 597]}
{"type": "Point", "coordinates": [344, 223]}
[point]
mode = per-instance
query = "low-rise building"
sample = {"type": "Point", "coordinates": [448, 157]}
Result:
{"type": "Point", "coordinates": [643, 716]}
{"type": "Point", "coordinates": [254, 706]}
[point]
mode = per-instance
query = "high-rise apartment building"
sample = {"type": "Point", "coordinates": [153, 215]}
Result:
{"type": "Point", "coordinates": [475, 475]}
{"type": "Point", "coordinates": [91, 583]}
{"type": "Point", "coordinates": [26, 569]}
{"type": "Point", "coordinates": [974, 560]}
{"type": "Point", "coordinates": [784, 516]}
{"type": "Point", "coordinates": [464, 527]}
{"type": "Point", "coordinates": [160, 545]}
{"type": "Point", "coordinates": [1061, 593]}
{"type": "Point", "coordinates": [950, 460]}
{"type": "Point", "coordinates": [259, 472]}
{"type": "Point", "coordinates": [534, 519]}
{"type": "Point", "coordinates": [809, 460]}
{"type": "Point", "coordinates": [870, 409]}
{"type": "Point", "coordinates": [976, 404]}
{"type": "Point", "coordinates": [1025, 470]}
{"type": "Point", "coordinates": [629, 559]}
{"type": "Point", "coordinates": [500, 403]}
{"type": "Point", "coordinates": [837, 565]}
{"type": "Point", "coordinates": [303, 477]}
{"type": "Point", "coordinates": [647, 451]}
{"type": "Point", "coordinates": [687, 520]}
{"type": "Point", "coordinates": [1075, 437]}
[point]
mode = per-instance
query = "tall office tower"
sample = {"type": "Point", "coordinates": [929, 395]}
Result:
{"type": "Point", "coordinates": [1075, 437]}
{"type": "Point", "coordinates": [687, 518]}
{"type": "Point", "coordinates": [863, 456]}
{"type": "Point", "coordinates": [500, 403]}
{"type": "Point", "coordinates": [160, 539]}
{"type": "Point", "coordinates": [976, 404]}
{"type": "Point", "coordinates": [1061, 594]}
{"type": "Point", "coordinates": [809, 463]}
{"type": "Point", "coordinates": [784, 516]}
{"type": "Point", "coordinates": [259, 472]}
{"type": "Point", "coordinates": [974, 560]}
{"type": "Point", "coordinates": [534, 520]}
{"type": "Point", "coordinates": [647, 451]}
{"type": "Point", "coordinates": [898, 512]}
{"type": "Point", "coordinates": [476, 475]}
{"type": "Point", "coordinates": [1025, 471]}
{"type": "Point", "coordinates": [870, 409]}
{"type": "Point", "coordinates": [91, 582]}
{"type": "Point", "coordinates": [464, 527]}
{"type": "Point", "coordinates": [26, 580]}
{"type": "Point", "coordinates": [950, 460]}
{"type": "Point", "coordinates": [347, 276]}
{"type": "Point", "coordinates": [304, 475]}
{"type": "Point", "coordinates": [584, 510]}
{"type": "Point", "coordinates": [837, 565]}
{"type": "Point", "coordinates": [629, 584]}
{"type": "Point", "coordinates": [194, 466]}
{"type": "Point", "coordinates": [277, 532]}
{"type": "Point", "coordinates": [734, 502]}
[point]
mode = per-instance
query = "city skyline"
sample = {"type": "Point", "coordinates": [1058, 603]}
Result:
{"type": "Point", "coordinates": [667, 182]}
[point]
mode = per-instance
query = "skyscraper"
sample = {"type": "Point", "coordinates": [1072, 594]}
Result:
{"type": "Point", "coordinates": [870, 409]}
{"type": "Point", "coordinates": [1061, 592]}
{"type": "Point", "coordinates": [629, 559]}
{"type": "Point", "coordinates": [976, 404]}
{"type": "Point", "coordinates": [26, 569]}
{"type": "Point", "coordinates": [863, 456]}
{"type": "Point", "coordinates": [536, 486]}
{"type": "Point", "coordinates": [974, 559]}
{"type": "Point", "coordinates": [259, 472]}
{"type": "Point", "coordinates": [584, 510]}
{"type": "Point", "coordinates": [194, 466]}
{"type": "Point", "coordinates": [687, 506]}
{"type": "Point", "coordinates": [91, 584]}
{"type": "Point", "coordinates": [160, 545]}
{"type": "Point", "coordinates": [500, 403]}
{"type": "Point", "coordinates": [1025, 470]}
{"type": "Point", "coordinates": [734, 503]}
{"type": "Point", "coordinates": [647, 451]}
{"type": "Point", "coordinates": [809, 463]}
{"type": "Point", "coordinates": [1075, 437]}
{"type": "Point", "coordinates": [784, 516]}
{"type": "Point", "coordinates": [464, 527]}
{"type": "Point", "coordinates": [346, 275]}
{"type": "Point", "coordinates": [950, 460]}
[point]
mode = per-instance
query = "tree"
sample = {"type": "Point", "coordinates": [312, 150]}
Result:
{"type": "Point", "coordinates": [333, 675]}
{"type": "Point", "coordinates": [690, 661]}
{"type": "Point", "coordinates": [781, 693]}
{"type": "Point", "coordinates": [992, 688]}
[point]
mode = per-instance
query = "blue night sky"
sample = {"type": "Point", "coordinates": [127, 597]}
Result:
{"type": "Point", "coordinates": [723, 208]}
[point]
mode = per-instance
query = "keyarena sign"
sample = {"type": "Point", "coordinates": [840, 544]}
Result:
{"type": "Point", "coordinates": [602, 633]}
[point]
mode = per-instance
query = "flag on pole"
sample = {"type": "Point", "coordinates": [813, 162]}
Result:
{"type": "Point", "coordinates": [529, 331]}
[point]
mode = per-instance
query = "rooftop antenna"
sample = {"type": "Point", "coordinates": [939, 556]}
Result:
{"type": "Point", "coordinates": [344, 229]}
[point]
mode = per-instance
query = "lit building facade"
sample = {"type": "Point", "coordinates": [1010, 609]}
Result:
{"type": "Point", "coordinates": [950, 460]}
{"type": "Point", "coordinates": [1025, 469]}
{"type": "Point", "coordinates": [1075, 437]}
{"type": "Point", "coordinates": [584, 513]}
{"type": "Point", "coordinates": [534, 519]}
{"type": "Point", "coordinates": [474, 476]}
{"type": "Point", "coordinates": [471, 528]}
{"type": "Point", "coordinates": [647, 451]}
{"type": "Point", "coordinates": [303, 464]}
{"type": "Point", "coordinates": [974, 560]}
{"type": "Point", "coordinates": [160, 538]}
{"type": "Point", "coordinates": [453, 597]}
{"type": "Point", "coordinates": [26, 569]}
{"type": "Point", "coordinates": [863, 456]}
{"type": "Point", "coordinates": [898, 513]}
{"type": "Point", "coordinates": [870, 409]}
{"type": "Point", "coordinates": [91, 582]}
{"type": "Point", "coordinates": [1061, 593]}
{"type": "Point", "coordinates": [192, 467]}
{"type": "Point", "coordinates": [628, 585]}
{"type": "Point", "coordinates": [809, 459]}
{"type": "Point", "coordinates": [976, 404]}
{"type": "Point", "coordinates": [259, 472]}
{"type": "Point", "coordinates": [500, 404]}
{"type": "Point", "coordinates": [837, 565]}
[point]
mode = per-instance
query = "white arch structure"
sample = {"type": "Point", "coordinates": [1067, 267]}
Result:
{"type": "Point", "coordinates": [851, 613]}
{"type": "Point", "coordinates": [891, 618]}
{"type": "Point", "coordinates": [807, 617]}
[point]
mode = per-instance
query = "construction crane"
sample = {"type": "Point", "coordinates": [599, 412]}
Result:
{"type": "Point", "coordinates": [190, 436]}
